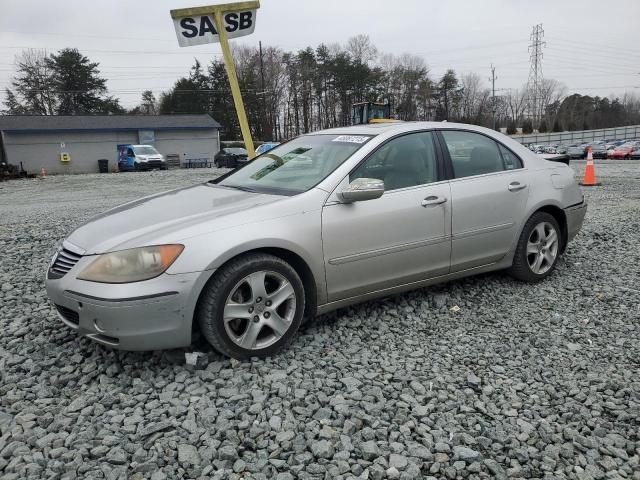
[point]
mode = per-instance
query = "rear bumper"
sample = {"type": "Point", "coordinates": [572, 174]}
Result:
{"type": "Point", "coordinates": [575, 217]}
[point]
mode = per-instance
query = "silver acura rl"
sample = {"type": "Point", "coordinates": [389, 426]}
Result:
{"type": "Point", "coordinates": [323, 221]}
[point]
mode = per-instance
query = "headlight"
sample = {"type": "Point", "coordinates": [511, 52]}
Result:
{"type": "Point", "coordinates": [133, 265]}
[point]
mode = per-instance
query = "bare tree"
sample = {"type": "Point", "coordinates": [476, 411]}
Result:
{"type": "Point", "coordinates": [473, 98]}
{"type": "Point", "coordinates": [361, 49]}
{"type": "Point", "coordinates": [32, 91]}
{"type": "Point", "coordinates": [516, 103]}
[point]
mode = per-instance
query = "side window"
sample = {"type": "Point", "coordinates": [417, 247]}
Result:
{"type": "Point", "coordinates": [511, 161]}
{"type": "Point", "coordinates": [405, 161]}
{"type": "Point", "coordinates": [130, 152]}
{"type": "Point", "coordinates": [472, 153]}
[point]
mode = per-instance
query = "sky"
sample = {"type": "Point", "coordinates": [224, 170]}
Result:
{"type": "Point", "coordinates": [591, 45]}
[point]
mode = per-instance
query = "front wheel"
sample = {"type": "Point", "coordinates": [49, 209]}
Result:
{"type": "Point", "coordinates": [252, 307]}
{"type": "Point", "coordinates": [538, 248]}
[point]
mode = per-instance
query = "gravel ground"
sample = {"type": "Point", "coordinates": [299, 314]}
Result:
{"type": "Point", "coordinates": [518, 381]}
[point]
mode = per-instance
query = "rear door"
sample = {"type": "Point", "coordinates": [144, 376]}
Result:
{"type": "Point", "coordinates": [489, 191]}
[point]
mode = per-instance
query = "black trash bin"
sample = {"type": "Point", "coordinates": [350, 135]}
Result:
{"type": "Point", "coordinates": [103, 165]}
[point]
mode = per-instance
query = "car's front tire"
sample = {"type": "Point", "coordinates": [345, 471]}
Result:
{"type": "Point", "coordinates": [251, 307]}
{"type": "Point", "coordinates": [538, 248]}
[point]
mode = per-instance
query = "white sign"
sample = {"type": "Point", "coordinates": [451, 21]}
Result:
{"type": "Point", "coordinates": [351, 138]}
{"type": "Point", "coordinates": [201, 29]}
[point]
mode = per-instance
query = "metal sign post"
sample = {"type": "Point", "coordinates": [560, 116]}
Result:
{"type": "Point", "coordinates": [218, 23]}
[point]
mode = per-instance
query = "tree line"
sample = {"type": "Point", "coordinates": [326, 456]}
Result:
{"type": "Point", "coordinates": [289, 93]}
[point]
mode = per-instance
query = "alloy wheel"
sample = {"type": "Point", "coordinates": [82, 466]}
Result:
{"type": "Point", "coordinates": [542, 247]}
{"type": "Point", "coordinates": [259, 310]}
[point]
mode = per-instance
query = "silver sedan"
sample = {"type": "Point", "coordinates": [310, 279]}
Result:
{"type": "Point", "coordinates": [326, 220]}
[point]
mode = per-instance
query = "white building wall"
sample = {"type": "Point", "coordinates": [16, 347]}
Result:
{"type": "Point", "coordinates": [42, 150]}
{"type": "Point", "coordinates": [188, 143]}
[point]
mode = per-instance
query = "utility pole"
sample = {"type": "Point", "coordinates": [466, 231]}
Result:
{"type": "Point", "coordinates": [493, 96]}
{"type": "Point", "coordinates": [534, 83]}
{"type": "Point", "coordinates": [264, 94]}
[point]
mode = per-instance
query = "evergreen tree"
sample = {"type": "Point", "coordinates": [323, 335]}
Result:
{"type": "Point", "coordinates": [78, 86]}
{"type": "Point", "coordinates": [557, 127]}
{"type": "Point", "coordinates": [542, 128]}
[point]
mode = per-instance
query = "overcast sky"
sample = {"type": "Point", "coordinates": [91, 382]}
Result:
{"type": "Point", "coordinates": [592, 45]}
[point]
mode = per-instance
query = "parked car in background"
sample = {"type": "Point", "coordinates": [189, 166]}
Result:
{"type": "Point", "coordinates": [139, 158]}
{"type": "Point", "coordinates": [265, 147]}
{"type": "Point", "coordinates": [635, 154]}
{"type": "Point", "coordinates": [561, 149]}
{"type": "Point", "coordinates": [550, 149]}
{"type": "Point", "coordinates": [324, 221]}
{"type": "Point", "coordinates": [231, 158]}
{"type": "Point", "coordinates": [623, 151]}
{"type": "Point", "coordinates": [599, 150]}
{"type": "Point", "coordinates": [575, 151]}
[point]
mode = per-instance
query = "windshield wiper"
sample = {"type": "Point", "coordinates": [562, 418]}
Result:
{"type": "Point", "coordinates": [238, 187]}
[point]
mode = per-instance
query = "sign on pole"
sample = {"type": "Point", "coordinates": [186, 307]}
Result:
{"type": "Point", "coordinates": [218, 23]}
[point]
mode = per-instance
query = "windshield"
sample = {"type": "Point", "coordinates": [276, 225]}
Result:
{"type": "Point", "coordinates": [295, 166]}
{"type": "Point", "coordinates": [146, 150]}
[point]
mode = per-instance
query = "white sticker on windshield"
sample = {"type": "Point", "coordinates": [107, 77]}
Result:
{"type": "Point", "coordinates": [351, 138]}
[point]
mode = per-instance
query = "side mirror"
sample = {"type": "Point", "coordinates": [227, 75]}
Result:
{"type": "Point", "coordinates": [362, 189]}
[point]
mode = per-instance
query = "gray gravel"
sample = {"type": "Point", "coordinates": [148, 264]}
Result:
{"type": "Point", "coordinates": [523, 381]}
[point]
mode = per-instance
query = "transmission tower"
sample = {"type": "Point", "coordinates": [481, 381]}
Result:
{"type": "Point", "coordinates": [534, 83]}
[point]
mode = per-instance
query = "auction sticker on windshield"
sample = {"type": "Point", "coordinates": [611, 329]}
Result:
{"type": "Point", "coordinates": [351, 138]}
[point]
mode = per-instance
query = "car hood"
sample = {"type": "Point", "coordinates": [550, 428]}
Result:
{"type": "Point", "coordinates": [166, 215]}
{"type": "Point", "coordinates": [149, 157]}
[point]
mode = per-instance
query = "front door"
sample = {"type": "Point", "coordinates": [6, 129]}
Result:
{"type": "Point", "coordinates": [399, 238]}
{"type": "Point", "coordinates": [488, 195]}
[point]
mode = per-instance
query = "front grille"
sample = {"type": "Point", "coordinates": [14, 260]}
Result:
{"type": "Point", "coordinates": [64, 262]}
{"type": "Point", "coordinates": [69, 315]}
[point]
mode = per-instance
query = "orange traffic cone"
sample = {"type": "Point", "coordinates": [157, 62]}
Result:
{"type": "Point", "coordinates": [43, 174]}
{"type": "Point", "coordinates": [589, 179]}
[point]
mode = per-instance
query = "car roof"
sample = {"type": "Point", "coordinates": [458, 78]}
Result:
{"type": "Point", "coordinates": [379, 128]}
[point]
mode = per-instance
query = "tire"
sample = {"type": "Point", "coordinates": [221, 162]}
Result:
{"type": "Point", "coordinates": [216, 163]}
{"type": "Point", "coordinates": [251, 334]}
{"type": "Point", "coordinates": [522, 268]}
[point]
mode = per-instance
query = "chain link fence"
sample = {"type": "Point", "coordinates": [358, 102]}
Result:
{"type": "Point", "coordinates": [631, 132]}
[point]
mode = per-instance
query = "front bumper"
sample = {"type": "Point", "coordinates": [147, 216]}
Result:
{"type": "Point", "coordinates": [150, 164]}
{"type": "Point", "coordinates": [150, 315]}
{"type": "Point", "coordinates": [575, 217]}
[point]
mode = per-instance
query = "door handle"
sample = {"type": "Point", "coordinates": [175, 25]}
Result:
{"type": "Point", "coordinates": [515, 186]}
{"type": "Point", "coordinates": [433, 200]}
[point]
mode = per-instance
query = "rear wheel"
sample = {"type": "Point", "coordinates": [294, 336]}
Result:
{"type": "Point", "coordinates": [252, 307]}
{"type": "Point", "coordinates": [538, 248]}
